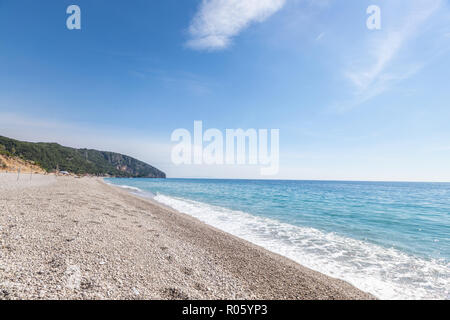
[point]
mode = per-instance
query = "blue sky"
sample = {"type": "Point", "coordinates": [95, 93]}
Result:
{"type": "Point", "coordinates": [350, 103]}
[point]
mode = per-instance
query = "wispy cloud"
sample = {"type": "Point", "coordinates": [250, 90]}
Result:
{"type": "Point", "coordinates": [383, 67]}
{"type": "Point", "coordinates": [388, 46]}
{"type": "Point", "coordinates": [218, 21]}
{"type": "Point", "coordinates": [195, 84]}
{"type": "Point", "coordinates": [320, 36]}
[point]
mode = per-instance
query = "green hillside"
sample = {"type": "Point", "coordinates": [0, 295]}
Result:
{"type": "Point", "coordinates": [51, 156]}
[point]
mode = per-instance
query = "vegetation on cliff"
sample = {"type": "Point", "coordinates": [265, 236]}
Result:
{"type": "Point", "coordinates": [52, 157]}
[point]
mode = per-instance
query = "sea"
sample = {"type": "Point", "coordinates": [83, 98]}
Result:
{"type": "Point", "coordinates": [391, 239]}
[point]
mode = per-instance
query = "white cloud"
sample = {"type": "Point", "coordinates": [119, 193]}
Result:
{"type": "Point", "coordinates": [383, 65]}
{"type": "Point", "coordinates": [218, 21]}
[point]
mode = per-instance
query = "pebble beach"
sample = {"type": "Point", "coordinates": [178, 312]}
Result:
{"type": "Point", "coordinates": [79, 238]}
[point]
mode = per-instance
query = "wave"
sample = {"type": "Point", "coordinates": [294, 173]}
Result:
{"type": "Point", "coordinates": [386, 273]}
{"type": "Point", "coordinates": [133, 189]}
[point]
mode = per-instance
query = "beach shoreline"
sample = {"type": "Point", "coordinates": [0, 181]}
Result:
{"type": "Point", "coordinates": [68, 238]}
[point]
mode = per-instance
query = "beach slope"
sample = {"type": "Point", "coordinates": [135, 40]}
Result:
{"type": "Point", "coordinates": [68, 238]}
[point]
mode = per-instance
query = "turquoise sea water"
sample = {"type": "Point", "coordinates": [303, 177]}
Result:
{"type": "Point", "coordinates": [390, 239]}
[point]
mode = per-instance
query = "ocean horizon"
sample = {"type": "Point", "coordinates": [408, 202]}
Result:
{"type": "Point", "coordinates": [391, 239]}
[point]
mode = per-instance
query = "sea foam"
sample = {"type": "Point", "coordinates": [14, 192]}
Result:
{"type": "Point", "coordinates": [387, 273]}
{"type": "Point", "coordinates": [129, 188]}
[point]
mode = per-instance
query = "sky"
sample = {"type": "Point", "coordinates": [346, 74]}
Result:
{"type": "Point", "coordinates": [350, 103]}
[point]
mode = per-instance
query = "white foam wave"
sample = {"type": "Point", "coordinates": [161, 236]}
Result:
{"type": "Point", "coordinates": [133, 189]}
{"type": "Point", "coordinates": [387, 273]}
{"type": "Point", "coordinates": [130, 188]}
